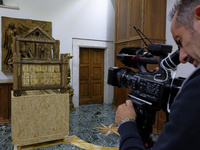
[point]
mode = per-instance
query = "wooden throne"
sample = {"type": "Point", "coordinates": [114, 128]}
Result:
{"type": "Point", "coordinates": [36, 63]}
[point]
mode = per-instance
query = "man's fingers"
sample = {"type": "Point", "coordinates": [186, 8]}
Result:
{"type": "Point", "coordinates": [129, 103]}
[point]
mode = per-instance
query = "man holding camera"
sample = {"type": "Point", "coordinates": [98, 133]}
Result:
{"type": "Point", "coordinates": [182, 131]}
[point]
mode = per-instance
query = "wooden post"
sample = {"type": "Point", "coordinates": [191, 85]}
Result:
{"type": "Point", "coordinates": [37, 50]}
{"type": "Point", "coordinates": [17, 73]}
{"type": "Point", "coordinates": [64, 73]}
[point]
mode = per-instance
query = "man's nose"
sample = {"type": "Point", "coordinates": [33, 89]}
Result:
{"type": "Point", "coordinates": [183, 56]}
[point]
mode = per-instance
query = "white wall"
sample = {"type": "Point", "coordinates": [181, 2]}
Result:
{"type": "Point", "coordinates": [183, 69]}
{"type": "Point", "coordinates": [86, 19]}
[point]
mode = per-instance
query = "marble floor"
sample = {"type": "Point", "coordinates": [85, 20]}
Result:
{"type": "Point", "coordinates": [83, 123]}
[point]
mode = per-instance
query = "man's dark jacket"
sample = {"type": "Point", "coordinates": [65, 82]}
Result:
{"type": "Point", "coordinates": [182, 132]}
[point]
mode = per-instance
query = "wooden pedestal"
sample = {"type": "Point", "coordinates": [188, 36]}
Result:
{"type": "Point", "coordinates": [39, 116]}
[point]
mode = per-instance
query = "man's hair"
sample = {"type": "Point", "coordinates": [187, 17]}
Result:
{"type": "Point", "coordinates": [185, 12]}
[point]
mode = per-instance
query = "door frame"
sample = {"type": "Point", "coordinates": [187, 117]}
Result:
{"type": "Point", "coordinates": [108, 47]}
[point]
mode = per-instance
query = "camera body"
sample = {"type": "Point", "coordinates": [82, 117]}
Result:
{"type": "Point", "coordinates": [151, 91]}
{"type": "Point", "coordinates": [152, 88]}
{"type": "Point", "coordinates": [144, 88]}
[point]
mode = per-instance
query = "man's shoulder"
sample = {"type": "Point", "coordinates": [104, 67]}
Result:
{"type": "Point", "coordinates": [195, 73]}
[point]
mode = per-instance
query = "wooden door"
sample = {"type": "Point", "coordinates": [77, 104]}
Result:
{"type": "Point", "coordinates": [91, 76]}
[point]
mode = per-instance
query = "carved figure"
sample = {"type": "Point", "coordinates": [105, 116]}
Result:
{"type": "Point", "coordinates": [10, 33]}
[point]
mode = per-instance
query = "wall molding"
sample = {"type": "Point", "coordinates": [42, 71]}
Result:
{"type": "Point", "coordinates": [108, 47]}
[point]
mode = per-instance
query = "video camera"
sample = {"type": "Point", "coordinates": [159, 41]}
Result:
{"type": "Point", "coordinates": [151, 91]}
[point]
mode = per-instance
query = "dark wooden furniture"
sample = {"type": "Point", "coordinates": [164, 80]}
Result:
{"type": "Point", "coordinates": [5, 101]}
{"type": "Point", "coordinates": [147, 15]}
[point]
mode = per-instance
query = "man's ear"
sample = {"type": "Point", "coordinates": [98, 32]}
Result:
{"type": "Point", "coordinates": [197, 12]}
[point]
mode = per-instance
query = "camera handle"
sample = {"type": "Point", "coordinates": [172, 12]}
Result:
{"type": "Point", "coordinates": [145, 119]}
{"type": "Point", "coordinates": [161, 75]}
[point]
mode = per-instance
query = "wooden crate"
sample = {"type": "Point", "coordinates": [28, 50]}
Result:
{"type": "Point", "coordinates": [39, 116]}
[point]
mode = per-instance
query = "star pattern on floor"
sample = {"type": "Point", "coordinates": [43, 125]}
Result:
{"type": "Point", "coordinates": [107, 129]}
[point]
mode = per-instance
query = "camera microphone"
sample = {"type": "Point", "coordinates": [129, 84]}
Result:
{"type": "Point", "coordinates": [171, 61]}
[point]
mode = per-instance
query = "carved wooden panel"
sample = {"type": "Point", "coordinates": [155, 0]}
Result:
{"type": "Point", "coordinates": [37, 74]}
{"type": "Point", "coordinates": [40, 75]}
{"type": "Point", "coordinates": [12, 27]}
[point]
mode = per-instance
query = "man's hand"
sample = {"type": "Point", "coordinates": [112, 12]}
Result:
{"type": "Point", "coordinates": [125, 111]}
